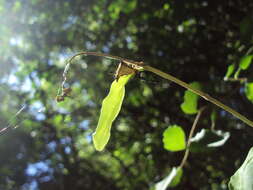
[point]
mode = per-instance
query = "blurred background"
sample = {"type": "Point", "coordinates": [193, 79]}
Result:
{"type": "Point", "coordinates": [51, 146]}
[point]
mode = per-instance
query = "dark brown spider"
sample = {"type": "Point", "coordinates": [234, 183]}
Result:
{"type": "Point", "coordinates": [65, 93]}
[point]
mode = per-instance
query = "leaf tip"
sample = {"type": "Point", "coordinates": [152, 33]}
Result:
{"type": "Point", "coordinates": [98, 146]}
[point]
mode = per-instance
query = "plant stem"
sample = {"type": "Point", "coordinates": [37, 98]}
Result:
{"type": "Point", "coordinates": [128, 62]}
{"type": "Point", "coordinates": [198, 92]}
{"type": "Point", "coordinates": [186, 154]}
{"type": "Point", "coordinates": [139, 66]}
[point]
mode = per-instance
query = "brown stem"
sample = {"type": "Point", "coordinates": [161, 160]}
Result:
{"type": "Point", "coordinates": [198, 92]}
{"type": "Point", "coordinates": [187, 151]}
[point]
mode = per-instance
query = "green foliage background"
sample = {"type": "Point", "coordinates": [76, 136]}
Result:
{"type": "Point", "coordinates": [195, 40]}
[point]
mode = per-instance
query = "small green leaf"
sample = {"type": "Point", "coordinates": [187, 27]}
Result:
{"type": "Point", "coordinates": [249, 91]}
{"type": "Point", "coordinates": [172, 180]}
{"type": "Point", "coordinates": [237, 73]}
{"type": "Point", "coordinates": [174, 138]}
{"type": "Point", "coordinates": [230, 71]}
{"type": "Point", "coordinates": [190, 104]}
{"type": "Point", "coordinates": [176, 180]}
{"type": "Point", "coordinates": [245, 62]}
{"type": "Point", "coordinates": [110, 109]}
{"type": "Point", "coordinates": [242, 179]}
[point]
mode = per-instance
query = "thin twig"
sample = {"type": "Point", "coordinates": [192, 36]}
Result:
{"type": "Point", "coordinates": [130, 63]}
{"type": "Point", "coordinates": [187, 151]}
{"type": "Point", "coordinates": [11, 124]}
{"type": "Point", "coordinates": [242, 80]}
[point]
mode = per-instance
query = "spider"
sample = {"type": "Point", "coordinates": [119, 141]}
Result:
{"type": "Point", "coordinates": [65, 93]}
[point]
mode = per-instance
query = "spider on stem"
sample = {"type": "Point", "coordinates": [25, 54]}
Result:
{"type": "Point", "coordinates": [65, 93]}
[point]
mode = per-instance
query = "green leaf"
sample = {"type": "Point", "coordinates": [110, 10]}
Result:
{"type": "Point", "coordinates": [189, 106]}
{"type": "Point", "coordinates": [207, 139]}
{"type": "Point", "coordinates": [174, 138]}
{"type": "Point", "coordinates": [242, 179]}
{"type": "Point", "coordinates": [110, 109]}
{"type": "Point", "coordinates": [230, 71]}
{"type": "Point", "coordinates": [176, 180]}
{"type": "Point", "coordinates": [171, 180]}
{"type": "Point", "coordinates": [237, 73]}
{"type": "Point", "coordinates": [243, 65]}
{"type": "Point", "coordinates": [249, 91]}
{"type": "Point", "coordinates": [245, 62]}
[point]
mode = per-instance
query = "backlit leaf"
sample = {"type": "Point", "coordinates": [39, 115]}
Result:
{"type": "Point", "coordinates": [174, 138]}
{"type": "Point", "coordinates": [110, 109]}
{"type": "Point", "coordinates": [171, 180]}
{"type": "Point", "coordinates": [230, 71]}
{"type": "Point", "coordinates": [176, 180]}
{"type": "Point", "coordinates": [237, 73]}
{"type": "Point", "coordinates": [249, 91]}
{"type": "Point", "coordinates": [245, 62]}
{"type": "Point", "coordinates": [190, 104]}
{"type": "Point", "coordinates": [242, 179]}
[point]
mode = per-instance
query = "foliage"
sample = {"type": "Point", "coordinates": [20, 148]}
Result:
{"type": "Point", "coordinates": [189, 106]}
{"type": "Point", "coordinates": [245, 62]}
{"type": "Point", "coordinates": [52, 147]}
{"type": "Point", "coordinates": [174, 138]}
{"type": "Point", "coordinates": [230, 71]}
{"type": "Point", "coordinates": [242, 179]}
{"type": "Point", "coordinates": [249, 91]}
{"type": "Point", "coordinates": [171, 180]}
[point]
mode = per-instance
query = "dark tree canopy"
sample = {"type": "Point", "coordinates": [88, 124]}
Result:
{"type": "Point", "coordinates": [51, 148]}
